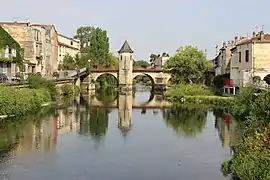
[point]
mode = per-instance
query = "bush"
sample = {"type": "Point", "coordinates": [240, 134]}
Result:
{"type": "Point", "coordinates": [20, 101]}
{"type": "Point", "coordinates": [197, 94]}
{"type": "Point", "coordinates": [37, 82]}
{"type": "Point", "coordinates": [67, 89]}
{"type": "Point", "coordinates": [190, 90]}
{"type": "Point", "coordinates": [252, 152]}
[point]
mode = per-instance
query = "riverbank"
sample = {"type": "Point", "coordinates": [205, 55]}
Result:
{"type": "Point", "coordinates": [18, 102]}
{"type": "Point", "coordinates": [251, 160]}
{"type": "Point", "coordinates": [197, 94]}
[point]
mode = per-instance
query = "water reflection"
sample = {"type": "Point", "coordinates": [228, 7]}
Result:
{"type": "Point", "coordinates": [65, 132]}
{"type": "Point", "coordinates": [185, 121]}
{"type": "Point", "coordinates": [226, 127]}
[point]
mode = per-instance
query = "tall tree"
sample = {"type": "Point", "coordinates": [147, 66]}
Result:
{"type": "Point", "coordinates": [189, 65]}
{"type": "Point", "coordinates": [99, 47]}
{"type": "Point", "coordinates": [84, 35]}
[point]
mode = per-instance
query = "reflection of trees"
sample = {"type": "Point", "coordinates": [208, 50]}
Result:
{"type": "Point", "coordinates": [107, 95]}
{"type": "Point", "coordinates": [186, 121]}
{"type": "Point", "coordinates": [94, 122]}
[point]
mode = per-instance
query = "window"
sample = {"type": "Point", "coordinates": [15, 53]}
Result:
{"type": "Point", "coordinates": [4, 67]}
{"type": "Point", "coordinates": [71, 43]}
{"type": "Point", "coordinates": [247, 55]}
{"type": "Point", "coordinates": [130, 57]}
{"type": "Point", "coordinates": [239, 56]}
{"type": "Point", "coordinates": [121, 58]}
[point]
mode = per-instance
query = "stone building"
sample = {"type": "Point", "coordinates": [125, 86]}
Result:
{"type": "Point", "coordinates": [67, 46]}
{"type": "Point", "coordinates": [9, 53]}
{"type": "Point", "coordinates": [40, 45]}
{"type": "Point", "coordinates": [51, 48]}
{"type": "Point", "coordinates": [23, 34]}
{"type": "Point", "coordinates": [250, 57]}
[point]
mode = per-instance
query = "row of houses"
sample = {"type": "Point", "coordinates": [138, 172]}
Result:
{"type": "Point", "coordinates": [43, 47]}
{"type": "Point", "coordinates": [244, 58]}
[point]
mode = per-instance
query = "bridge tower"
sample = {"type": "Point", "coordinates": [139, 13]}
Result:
{"type": "Point", "coordinates": [125, 112]}
{"type": "Point", "coordinates": [125, 67]}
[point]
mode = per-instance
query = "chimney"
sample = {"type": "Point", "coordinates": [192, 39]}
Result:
{"type": "Point", "coordinates": [261, 35]}
{"type": "Point", "coordinates": [235, 38]}
{"type": "Point", "coordinates": [224, 44]}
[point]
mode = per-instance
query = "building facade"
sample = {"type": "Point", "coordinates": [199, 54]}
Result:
{"type": "Point", "coordinates": [67, 46]}
{"type": "Point", "coordinates": [250, 58]}
{"type": "Point", "coordinates": [51, 47]}
{"type": "Point", "coordinates": [23, 34]}
{"type": "Point", "coordinates": [40, 45]}
{"type": "Point", "coordinates": [6, 66]}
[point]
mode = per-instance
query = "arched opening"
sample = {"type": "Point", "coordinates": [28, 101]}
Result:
{"type": "Point", "coordinates": [143, 89]}
{"type": "Point", "coordinates": [169, 82]}
{"type": "Point", "coordinates": [143, 81]}
{"type": "Point", "coordinates": [105, 81]}
{"type": "Point", "coordinates": [267, 79]}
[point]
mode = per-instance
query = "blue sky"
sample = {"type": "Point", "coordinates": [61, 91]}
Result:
{"type": "Point", "coordinates": [150, 26]}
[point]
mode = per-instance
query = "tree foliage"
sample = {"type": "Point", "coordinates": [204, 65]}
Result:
{"type": "Point", "coordinates": [189, 65]}
{"type": "Point", "coordinates": [141, 63]}
{"type": "Point", "coordinates": [84, 35]}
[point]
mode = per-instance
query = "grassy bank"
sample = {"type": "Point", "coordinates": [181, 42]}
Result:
{"type": "Point", "coordinates": [18, 102]}
{"type": "Point", "coordinates": [196, 94]}
{"type": "Point", "coordinates": [251, 159]}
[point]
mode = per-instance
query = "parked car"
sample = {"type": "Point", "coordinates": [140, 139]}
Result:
{"type": "Point", "coordinates": [3, 78]}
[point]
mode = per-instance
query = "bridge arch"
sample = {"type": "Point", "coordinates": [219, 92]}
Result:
{"type": "Point", "coordinates": [98, 75]}
{"type": "Point", "coordinates": [134, 75]}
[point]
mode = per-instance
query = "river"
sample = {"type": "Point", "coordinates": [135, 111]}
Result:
{"type": "Point", "coordinates": [117, 137]}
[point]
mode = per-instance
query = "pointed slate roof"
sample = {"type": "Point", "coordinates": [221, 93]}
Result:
{"type": "Point", "coordinates": [125, 48]}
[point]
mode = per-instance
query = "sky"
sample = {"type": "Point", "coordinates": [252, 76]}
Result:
{"type": "Point", "coordinates": [150, 26]}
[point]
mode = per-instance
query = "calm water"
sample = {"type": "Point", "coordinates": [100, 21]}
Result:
{"type": "Point", "coordinates": [93, 139]}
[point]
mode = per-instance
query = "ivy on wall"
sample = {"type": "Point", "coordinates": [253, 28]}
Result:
{"type": "Point", "coordinates": [7, 40]}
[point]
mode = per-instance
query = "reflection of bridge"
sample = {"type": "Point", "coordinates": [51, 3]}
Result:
{"type": "Point", "coordinates": [125, 72]}
{"type": "Point", "coordinates": [155, 102]}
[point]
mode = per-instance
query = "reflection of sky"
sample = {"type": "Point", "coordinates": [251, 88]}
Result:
{"type": "Point", "coordinates": [141, 97]}
{"type": "Point", "coordinates": [151, 151]}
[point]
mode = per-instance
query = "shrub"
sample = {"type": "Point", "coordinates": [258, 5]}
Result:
{"type": "Point", "coordinates": [37, 82]}
{"type": "Point", "coordinates": [20, 101]}
{"type": "Point", "coordinates": [190, 90]}
{"type": "Point", "coordinates": [252, 152]}
{"type": "Point", "coordinates": [67, 89]}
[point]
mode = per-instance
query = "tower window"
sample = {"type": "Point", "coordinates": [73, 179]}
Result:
{"type": "Point", "coordinates": [130, 57]}
{"type": "Point", "coordinates": [121, 58]}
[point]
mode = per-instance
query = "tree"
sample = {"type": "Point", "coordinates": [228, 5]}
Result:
{"type": "Point", "coordinates": [189, 65]}
{"type": "Point", "coordinates": [84, 35]}
{"type": "Point", "coordinates": [141, 63]}
{"type": "Point", "coordinates": [113, 61]}
{"type": "Point", "coordinates": [99, 47]}
{"type": "Point", "coordinates": [69, 63]}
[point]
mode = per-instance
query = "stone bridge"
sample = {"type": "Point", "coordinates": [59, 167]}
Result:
{"type": "Point", "coordinates": [125, 73]}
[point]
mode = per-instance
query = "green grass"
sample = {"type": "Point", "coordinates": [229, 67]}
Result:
{"type": "Point", "coordinates": [197, 94]}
